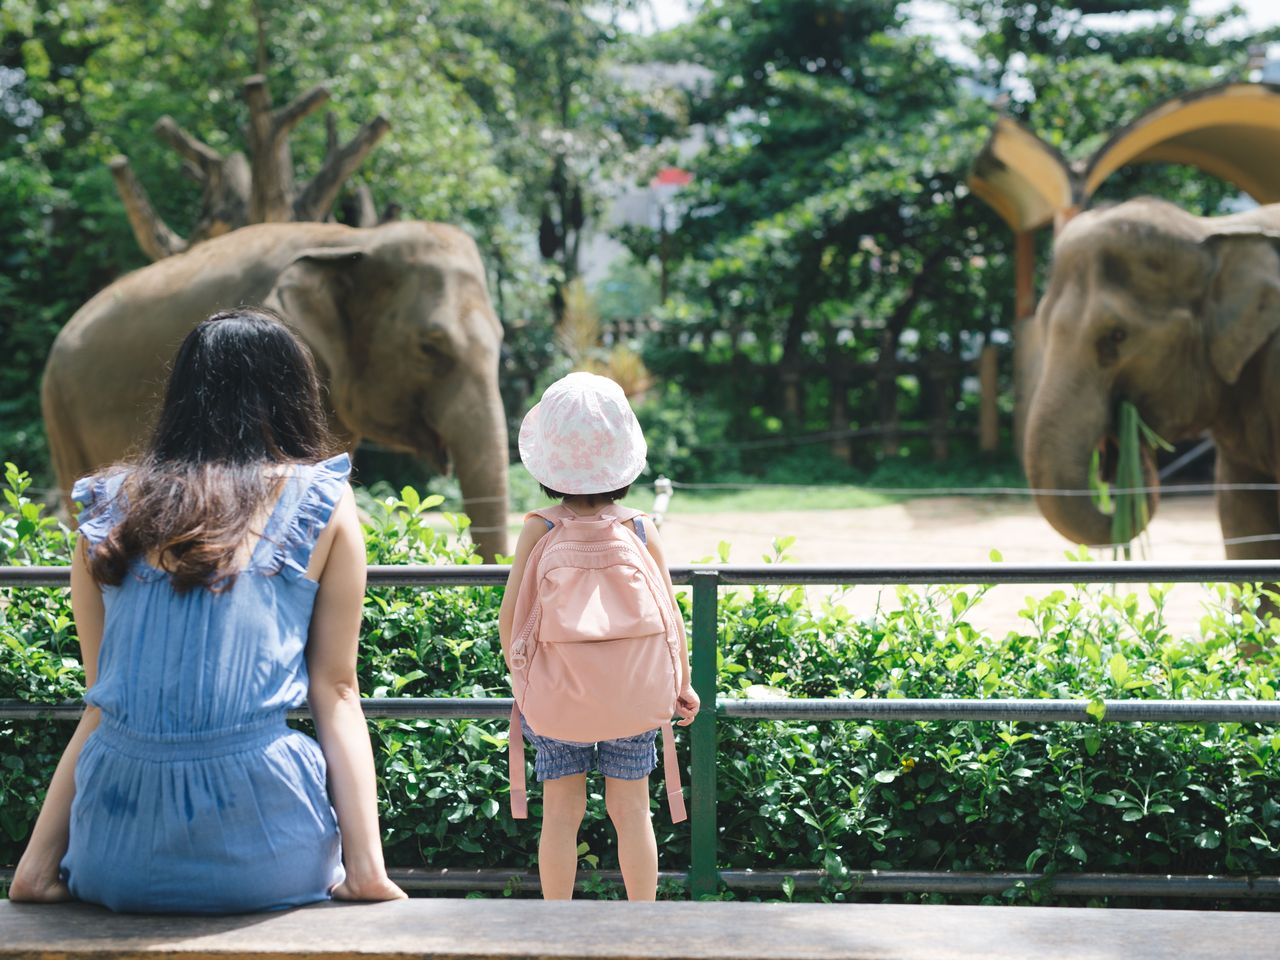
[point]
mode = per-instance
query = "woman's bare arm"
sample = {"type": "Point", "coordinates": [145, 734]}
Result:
{"type": "Point", "coordinates": [36, 878]}
{"type": "Point", "coordinates": [334, 698]}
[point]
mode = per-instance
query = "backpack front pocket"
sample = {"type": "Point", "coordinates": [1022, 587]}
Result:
{"type": "Point", "coordinates": [593, 605]}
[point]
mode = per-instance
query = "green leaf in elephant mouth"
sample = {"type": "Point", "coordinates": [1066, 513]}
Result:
{"type": "Point", "coordinates": [1127, 503]}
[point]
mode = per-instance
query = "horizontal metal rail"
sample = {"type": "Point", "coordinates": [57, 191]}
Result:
{"type": "Point", "coordinates": [777, 574]}
{"type": "Point", "coordinates": [704, 876]}
{"type": "Point", "coordinates": [896, 709]}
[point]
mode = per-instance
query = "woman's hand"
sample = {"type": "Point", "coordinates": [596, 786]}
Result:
{"type": "Point", "coordinates": [30, 886]}
{"type": "Point", "coordinates": [687, 706]}
{"type": "Point", "coordinates": [375, 888]}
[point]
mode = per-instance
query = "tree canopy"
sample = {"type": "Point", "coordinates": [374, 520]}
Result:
{"type": "Point", "coordinates": [828, 253]}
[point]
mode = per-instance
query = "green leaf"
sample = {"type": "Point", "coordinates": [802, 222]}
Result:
{"type": "Point", "coordinates": [1208, 840]}
{"type": "Point", "coordinates": [1118, 667]}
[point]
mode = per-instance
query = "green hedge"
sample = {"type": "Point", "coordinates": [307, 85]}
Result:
{"type": "Point", "coordinates": [844, 795]}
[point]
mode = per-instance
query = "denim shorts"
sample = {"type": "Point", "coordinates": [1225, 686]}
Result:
{"type": "Point", "coordinates": [627, 758]}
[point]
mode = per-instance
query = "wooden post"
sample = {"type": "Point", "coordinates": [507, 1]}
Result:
{"type": "Point", "coordinates": [886, 377]}
{"type": "Point", "coordinates": [935, 376]}
{"type": "Point", "coordinates": [988, 392]}
{"type": "Point", "coordinates": [1026, 348]}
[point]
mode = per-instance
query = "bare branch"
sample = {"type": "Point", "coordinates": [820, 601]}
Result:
{"type": "Point", "coordinates": [269, 155]}
{"type": "Point", "coordinates": [261, 22]}
{"type": "Point", "coordinates": [287, 117]}
{"type": "Point", "coordinates": [317, 196]}
{"type": "Point", "coordinates": [330, 133]}
{"type": "Point", "coordinates": [154, 236]}
{"type": "Point", "coordinates": [201, 156]}
{"type": "Point", "coordinates": [366, 212]}
{"type": "Point", "coordinates": [225, 204]}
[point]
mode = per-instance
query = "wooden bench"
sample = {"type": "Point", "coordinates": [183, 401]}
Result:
{"type": "Point", "coordinates": [508, 929]}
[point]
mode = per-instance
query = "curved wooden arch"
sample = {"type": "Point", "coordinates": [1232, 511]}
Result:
{"type": "Point", "coordinates": [1231, 131]}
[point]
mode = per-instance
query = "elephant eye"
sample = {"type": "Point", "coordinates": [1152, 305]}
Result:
{"type": "Point", "coordinates": [1118, 335]}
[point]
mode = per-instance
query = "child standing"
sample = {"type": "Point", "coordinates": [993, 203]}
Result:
{"type": "Point", "coordinates": [217, 582]}
{"type": "Point", "coordinates": [583, 444]}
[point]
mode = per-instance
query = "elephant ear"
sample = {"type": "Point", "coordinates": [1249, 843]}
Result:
{"type": "Point", "coordinates": [1242, 305]}
{"type": "Point", "coordinates": [310, 293]}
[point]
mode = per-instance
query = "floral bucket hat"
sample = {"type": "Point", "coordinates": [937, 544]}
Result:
{"type": "Point", "coordinates": [583, 437]}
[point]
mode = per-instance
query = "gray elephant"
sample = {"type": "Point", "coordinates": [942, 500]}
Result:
{"type": "Point", "coordinates": [1176, 314]}
{"type": "Point", "coordinates": [398, 317]}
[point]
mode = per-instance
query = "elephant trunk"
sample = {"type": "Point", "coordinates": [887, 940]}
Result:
{"type": "Point", "coordinates": [478, 448]}
{"type": "Point", "coordinates": [1067, 422]}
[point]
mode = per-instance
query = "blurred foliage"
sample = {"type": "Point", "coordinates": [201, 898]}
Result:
{"type": "Point", "coordinates": [828, 248]}
{"type": "Point", "coordinates": [841, 795]}
{"type": "Point", "coordinates": [488, 100]}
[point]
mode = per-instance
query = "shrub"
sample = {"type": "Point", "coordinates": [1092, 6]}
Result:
{"type": "Point", "coordinates": [844, 795]}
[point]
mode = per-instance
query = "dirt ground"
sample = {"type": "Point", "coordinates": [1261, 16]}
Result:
{"type": "Point", "coordinates": [943, 530]}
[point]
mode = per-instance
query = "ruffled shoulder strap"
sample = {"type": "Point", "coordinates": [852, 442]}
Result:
{"type": "Point", "coordinates": [307, 506]}
{"type": "Point", "coordinates": [101, 504]}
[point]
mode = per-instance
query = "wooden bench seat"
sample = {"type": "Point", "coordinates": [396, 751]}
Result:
{"type": "Point", "coordinates": [507, 929]}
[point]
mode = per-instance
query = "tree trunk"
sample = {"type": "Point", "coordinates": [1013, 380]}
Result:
{"type": "Point", "coordinates": [237, 191]}
{"type": "Point", "coordinates": [838, 381]}
{"type": "Point", "coordinates": [988, 409]}
{"type": "Point", "coordinates": [938, 394]}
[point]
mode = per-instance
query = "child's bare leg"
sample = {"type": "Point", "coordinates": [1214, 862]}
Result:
{"type": "Point", "coordinates": [564, 801]}
{"type": "Point", "coordinates": [628, 804]}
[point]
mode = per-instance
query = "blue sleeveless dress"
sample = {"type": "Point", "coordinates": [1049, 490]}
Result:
{"type": "Point", "coordinates": [193, 796]}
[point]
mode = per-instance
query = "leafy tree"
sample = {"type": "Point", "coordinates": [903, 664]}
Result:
{"type": "Point", "coordinates": [832, 269]}
{"type": "Point", "coordinates": [828, 212]}
{"type": "Point", "coordinates": [1064, 30]}
{"type": "Point", "coordinates": [498, 113]}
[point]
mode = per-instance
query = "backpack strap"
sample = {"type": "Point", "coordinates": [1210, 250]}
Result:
{"type": "Point", "coordinates": [515, 762]}
{"type": "Point", "coordinates": [671, 773]}
{"type": "Point", "coordinates": [626, 515]}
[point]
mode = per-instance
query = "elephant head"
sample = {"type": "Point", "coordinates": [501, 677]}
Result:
{"type": "Point", "coordinates": [1152, 305]}
{"type": "Point", "coordinates": [407, 340]}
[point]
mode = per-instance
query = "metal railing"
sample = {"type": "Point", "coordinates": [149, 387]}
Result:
{"type": "Point", "coordinates": [704, 876]}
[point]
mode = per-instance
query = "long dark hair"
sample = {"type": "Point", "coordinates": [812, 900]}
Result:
{"type": "Point", "coordinates": [242, 395]}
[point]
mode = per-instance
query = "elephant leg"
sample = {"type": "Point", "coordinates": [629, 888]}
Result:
{"type": "Point", "coordinates": [1250, 521]}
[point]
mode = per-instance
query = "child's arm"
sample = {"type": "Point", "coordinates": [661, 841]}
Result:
{"type": "Point", "coordinates": [534, 529]}
{"type": "Point", "coordinates": [334, 698]}
{"type": "Point", "coordinates": [687, 703]}
{"type": "Point", "coordinates": [36, 878]}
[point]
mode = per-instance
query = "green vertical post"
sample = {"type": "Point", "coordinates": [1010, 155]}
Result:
{"type": "Point", "coordinates": [704, 877]}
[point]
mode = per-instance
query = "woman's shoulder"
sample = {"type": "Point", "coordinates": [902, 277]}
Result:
{"type": "Point", "coordinates": [321, 486]}
{"type": "Point", "coordinates": [101, 502]}
{"type": "Point", "coordinates": [335, 469]}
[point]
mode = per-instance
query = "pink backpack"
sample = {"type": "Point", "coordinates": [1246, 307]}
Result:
{"type": "Point", "coordinates": [596, 649]}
